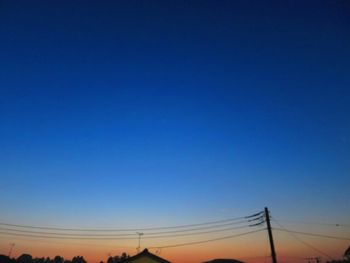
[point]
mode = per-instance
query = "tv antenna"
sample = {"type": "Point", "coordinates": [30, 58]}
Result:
{"type": "Point", "coordinates": [139, 246]}
{"type": "Point", "coordinates": [11, 248]}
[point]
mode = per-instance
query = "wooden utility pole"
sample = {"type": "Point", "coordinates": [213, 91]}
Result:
{"type": "Point", "coordinates": [269, 230]}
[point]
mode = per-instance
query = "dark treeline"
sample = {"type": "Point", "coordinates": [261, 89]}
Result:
{"type": "Point", "coordinates": [26, 258]}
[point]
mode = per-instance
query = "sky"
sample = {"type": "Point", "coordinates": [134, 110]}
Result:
{"type": "Point", "coordinates": [126, 114]}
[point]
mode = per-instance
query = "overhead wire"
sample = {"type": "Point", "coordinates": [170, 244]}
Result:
{"type": "Point", "coordinates": [172, 231]}
{"type": "Point", "coordinates": [124, 234]}
{"type": "Point", "coordinates": [313, 223]}
{"type": "Point", "coordinates": [205, 241]}
{"type": "Point", "coordinates": [128, 229]}
{"type": "Point", "coordinates": [199, 233]}
{"type": "Point", "coordinates": [302, 241]}
{"type": "Point", "coordinates": [198, 230]}
{"type": "Point", "coordinates": [312, 234]}
{"type": "Point", "coordinates": [107, 237]}
{"type": "Point", "coordinates": [67, 237]}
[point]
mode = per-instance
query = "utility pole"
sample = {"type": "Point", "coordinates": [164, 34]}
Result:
{"type": "Point", "coordinates": [269, 230]}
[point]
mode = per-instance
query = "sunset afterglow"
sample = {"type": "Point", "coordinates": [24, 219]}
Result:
{"type": "Point", "coordinates": [171, 125]}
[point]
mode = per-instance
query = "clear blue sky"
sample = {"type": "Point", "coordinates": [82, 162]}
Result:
{"type": "Point", "coordinates": [119, 112]}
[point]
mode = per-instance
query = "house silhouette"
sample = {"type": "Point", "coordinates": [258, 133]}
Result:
{"type": "Point", "coordinates": [145, 257]}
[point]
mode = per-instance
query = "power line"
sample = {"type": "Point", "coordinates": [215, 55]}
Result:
{"type": "Point", "coordinates": [314, 223]}
{"type": "Point", "coordinates": [67, 237]}
{"type": "Point", "coordinates": [302, 241]}
{"type": "Point", "coordinates": [198, 233]}
{"type": "Point", "coordinates": [312, 247]}
{"type": "Point", "coordinates": [107, 237]}
{"type": "Point", "coordinates": [129, 229]}
{"type": "Point", "coordinates": [312, 234]}
{"type": "Point", "coordinates": [198, 228]}
{"type": "Point", "coordinates": [68, 243]}
{"type": "Point", "coordinates": [62, 234]}
{"type": "Point", "coordinates": [206, 241]}
{"type": "Point", "coordinates": [216, 227]}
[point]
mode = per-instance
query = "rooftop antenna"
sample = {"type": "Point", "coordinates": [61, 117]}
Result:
{"type": "Point", "coordinates": [138, 248]}
{"type": "Point", "coordinates": [11, 248]}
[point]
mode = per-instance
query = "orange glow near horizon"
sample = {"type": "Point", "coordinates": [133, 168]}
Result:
{"type": "Point", "coordinates": [254, 249]}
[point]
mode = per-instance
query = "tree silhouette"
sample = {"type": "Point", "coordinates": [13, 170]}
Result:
{"type": "Point", "coordinates": [58, 259]}
{"type": "Point", "coordinates": [6, 259]}
{"type": "Point", "coordinates": [25, 258]}
{"type": "Point", "coordinates": [117, 259]}
{"type": "Point", "coordinates": [78, 259]}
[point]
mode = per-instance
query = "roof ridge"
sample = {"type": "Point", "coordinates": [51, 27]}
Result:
{"type": "Point", "coordinates": [146, 252]}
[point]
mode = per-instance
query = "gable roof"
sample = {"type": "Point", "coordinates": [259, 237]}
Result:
{"type": "Point", "coordinates": [146, 253]}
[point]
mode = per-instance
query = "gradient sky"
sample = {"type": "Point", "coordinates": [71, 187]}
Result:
{"type": "Point", "coordinates": [148, 113]}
